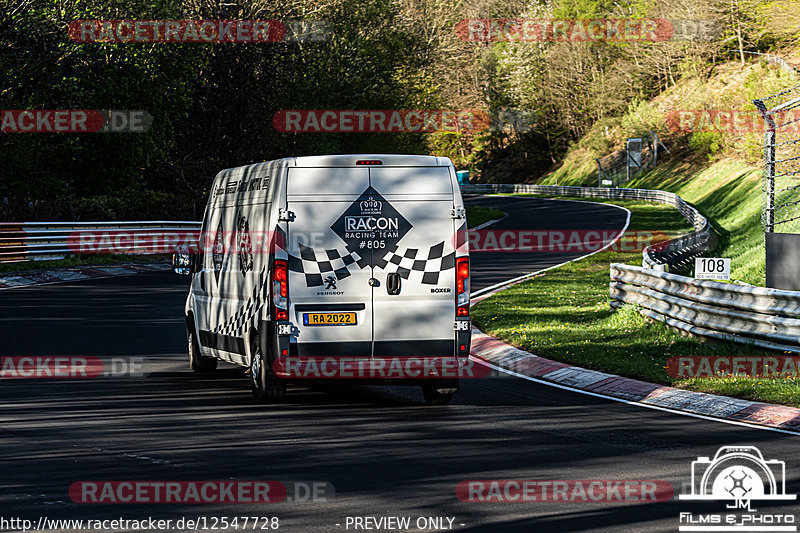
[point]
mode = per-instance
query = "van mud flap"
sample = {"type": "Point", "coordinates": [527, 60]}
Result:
{"type": "Point", "coordinates": [273, 344]}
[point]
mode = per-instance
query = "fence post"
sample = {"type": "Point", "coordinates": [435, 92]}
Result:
{"type": "Point", "coordinates": [655, 148]}
{"type": "Point", "coordinates": [769, 156]}
{"type": "Point", "coordinates": [769, 166]}
{"type": "Point", "coordinates": [599, 173]}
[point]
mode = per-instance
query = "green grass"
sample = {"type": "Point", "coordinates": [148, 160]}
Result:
{"type": "Point", "coordinates": [782, 391]}
{"type": "Point", "coordinates": [564, 315]}
{"type": "Point", "coordinates": [477, 215]}
{"type": "Point", "coordinates": [728, 193]}
{"type": "Point", "coordinates": [718, 172]}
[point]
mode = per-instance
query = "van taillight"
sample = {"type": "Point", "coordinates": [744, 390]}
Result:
{"type": "Point", "coordinates": [369, 162]}
{"type": "Point", "coordinates": [462, 286]}
{"type": "Point", "coordinates": [280, 290]}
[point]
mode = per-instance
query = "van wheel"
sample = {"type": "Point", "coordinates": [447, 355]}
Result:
{"type": "Point", "coordinates": [439, 392]}
{"type": "Point", "coordinates": [197, 362]}
{"type": "Point", "coordinates": [265, 385]}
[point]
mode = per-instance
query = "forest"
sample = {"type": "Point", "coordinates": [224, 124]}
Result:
{"type": "Point", "coordinates": [503, 88]}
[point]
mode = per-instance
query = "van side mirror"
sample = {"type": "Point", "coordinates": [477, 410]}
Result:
{"type": "Point", "coordinates": [183, 263]}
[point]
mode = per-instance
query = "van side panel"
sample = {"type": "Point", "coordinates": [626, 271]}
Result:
{"type": "Point", "coordinates": [235, 266]}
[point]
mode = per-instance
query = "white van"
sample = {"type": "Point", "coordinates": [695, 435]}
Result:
{"type": "Point", "coordinates": [346, 257]}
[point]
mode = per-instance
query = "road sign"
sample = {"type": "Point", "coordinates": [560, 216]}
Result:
{"type": "Point", "coordinates": [712, 268]}
{"type": "Point", "coordinates": [634, 146]}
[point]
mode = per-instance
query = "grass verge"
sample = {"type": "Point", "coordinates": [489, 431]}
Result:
{"type": "Point", "coordinates": [477, 215]}
{"type": "Point", "coordinates": [564, 315]}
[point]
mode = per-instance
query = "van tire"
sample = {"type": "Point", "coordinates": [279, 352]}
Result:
{"type": "Point", "coordinates": [197, 362]}
{"type": "Point", "coordinates": [265, 385]}
{"type": "Point", "coordinates": [439, 392]}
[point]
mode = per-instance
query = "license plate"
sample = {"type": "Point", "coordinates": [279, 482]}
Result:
{"type": "Point", "coordinates": [329, 319]}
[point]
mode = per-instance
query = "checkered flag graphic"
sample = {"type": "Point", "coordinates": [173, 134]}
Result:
{"type": "Point", "coordinates": [410, 260]}
{"type": "Point", "coordinates": [315, 264]}
{"type": "Point", "coordinates": [246, 315]}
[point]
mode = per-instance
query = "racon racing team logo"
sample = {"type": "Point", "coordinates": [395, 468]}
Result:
{"type": "Point", "coordinates": [371, 223]}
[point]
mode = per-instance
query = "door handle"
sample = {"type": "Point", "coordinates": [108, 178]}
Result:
{"type": "Point", "coordinates": [393, 283]}
{"type": "Point", "coordinates": [203, 280]}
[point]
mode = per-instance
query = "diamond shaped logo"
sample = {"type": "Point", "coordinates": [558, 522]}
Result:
{"type": "Point", "coordinates": [371, 223]}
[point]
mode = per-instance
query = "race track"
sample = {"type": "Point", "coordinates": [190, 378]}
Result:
{"type": "Point", "coordinates": [384, 451]}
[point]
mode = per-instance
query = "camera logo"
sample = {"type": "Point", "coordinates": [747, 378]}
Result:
{"type": "Point", "coordinates": [739, 474]}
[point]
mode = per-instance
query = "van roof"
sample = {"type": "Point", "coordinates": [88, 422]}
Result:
{"type": "Point", "coordinates": [315, 161]}
{"type": "Point", "coordinates": [349, 160]}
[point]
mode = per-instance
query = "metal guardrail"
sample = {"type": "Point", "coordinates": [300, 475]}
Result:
{"type": "Point", "coordinates": [765, 318]}
{"type": "Point", "coordinates": [675, 253]}
{"type": "Point", "coordinates": [758, 316]}
{"type": "Point", "coordinates": [36, 241]}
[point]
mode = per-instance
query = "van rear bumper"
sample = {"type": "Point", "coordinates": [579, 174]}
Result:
{"type": "Point", "coordinates": [399, 348]}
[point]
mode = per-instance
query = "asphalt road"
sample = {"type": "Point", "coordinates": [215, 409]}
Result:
{"type": "Point", "coordinates": [384, 451]}
{"type": "Point", "coordinates": [541, 215]}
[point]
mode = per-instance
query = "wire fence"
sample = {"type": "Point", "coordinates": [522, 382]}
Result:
{"type": "Point", "coordinates": [619, 168]}
{"type": "Point", "coordinates": [614, 171]}
{"type": "Point", "coordinates": [770, 58]}
{"type": "Point", "coordinates": [780, 211]}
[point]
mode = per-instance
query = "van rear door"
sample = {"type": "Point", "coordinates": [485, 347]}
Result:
{"type": "Point", "coordinates": [329, 291]}
{"type": "Point", "coordinates": [414, 312]}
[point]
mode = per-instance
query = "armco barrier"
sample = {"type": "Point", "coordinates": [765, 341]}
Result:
{"type": "Point", "coordinates": [677, 252]}
{"type": "Point", "coordinates": [32, 241]}
{"type": "Point", "coordinates": [766, 318]}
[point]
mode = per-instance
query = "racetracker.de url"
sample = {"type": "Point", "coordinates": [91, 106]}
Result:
{"type": "Point", "coordinates": [198, 523]}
